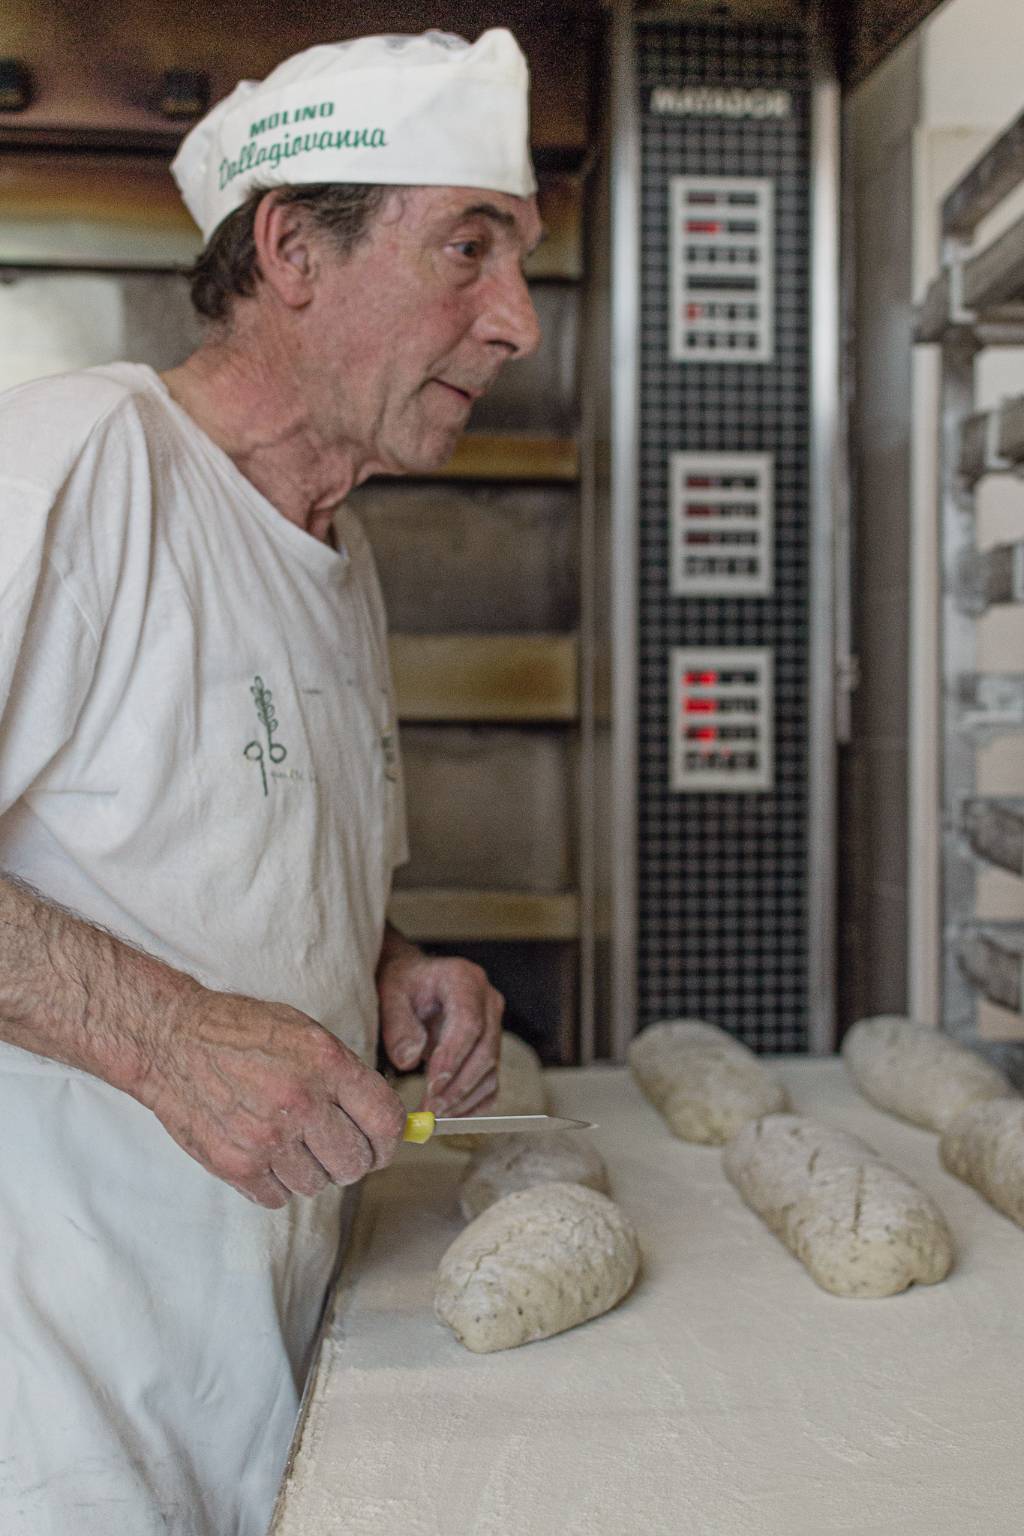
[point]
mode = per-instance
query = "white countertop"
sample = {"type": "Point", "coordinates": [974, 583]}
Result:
{"type": "Point", "coordinates": [727, 1396]}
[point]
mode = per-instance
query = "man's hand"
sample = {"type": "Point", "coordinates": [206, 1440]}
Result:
{"type": "Point", "coordinates": [445, 1013]}
{"type": "Point", "coordinates": [257, 1093]}
{"type": "Point", "coordinates": [266, 1099]}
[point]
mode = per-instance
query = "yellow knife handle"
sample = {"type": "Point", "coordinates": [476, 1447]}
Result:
{"type": "Point", "coordinates": [419, 1126]}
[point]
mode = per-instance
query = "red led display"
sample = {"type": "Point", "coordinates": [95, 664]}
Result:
{"type": "Point", "coordinates": [701, 706]}
{"type": "Point", "coordinates": [702, 679]}
{"type": "Point", "coordinates": [703, 226]}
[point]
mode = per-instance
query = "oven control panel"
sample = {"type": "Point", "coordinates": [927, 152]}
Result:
{"type": "Point", "coordinates": [721, 719]}
{"type": "Point", "coordinates": [722, 520]}
{"type": "Point", "coordinates": [722, 242]}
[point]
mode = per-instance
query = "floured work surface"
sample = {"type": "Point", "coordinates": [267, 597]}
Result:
{"type": "Point", "coordinates": [726, 1396]}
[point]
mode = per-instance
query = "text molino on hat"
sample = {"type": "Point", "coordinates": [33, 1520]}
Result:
{"type": "Point", "coordinates": [432, 110]}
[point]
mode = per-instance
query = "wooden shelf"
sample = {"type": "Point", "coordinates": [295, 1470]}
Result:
{"type": "Point", "coordinates": [485, 677]}
{"type": "Point", "coordinates": [123, 211]}
{"type": "Point", "coordinates": [512, 456]}
{"type": "Point", "coordinates": [432, 913]}
{"type": "Point", "coordinates": [94, 69]}
{"type": "Point", "coordinates": [111, 212]}
{"type": "Point", "coordinates": [560, 254]}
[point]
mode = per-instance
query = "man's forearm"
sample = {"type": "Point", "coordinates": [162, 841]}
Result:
{"type": "Point", "coordinates": [257, 1092]}
{"type": "Point", "coordinates": [78, 994]}
{"type": "Point", "coordinates": [394, 946]}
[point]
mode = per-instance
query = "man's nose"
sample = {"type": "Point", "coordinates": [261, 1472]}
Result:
{"type": "Point", "coordinates": [508, 318]}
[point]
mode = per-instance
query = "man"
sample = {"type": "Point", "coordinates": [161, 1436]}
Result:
{"type": "Point", "coordinates": [200, 804]}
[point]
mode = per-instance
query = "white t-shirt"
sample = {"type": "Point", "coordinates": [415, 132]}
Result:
{"type": "Point", "coordinates": [197, 733]}
{"type": "Point", "coordinates": [197, 750]}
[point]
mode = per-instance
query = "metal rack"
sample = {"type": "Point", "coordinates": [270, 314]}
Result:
{"type": "Point", "coordinates": [977, 301]}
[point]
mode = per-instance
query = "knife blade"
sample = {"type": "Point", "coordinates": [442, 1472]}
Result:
{"type": "Point", "coordinates": [421, 1124]}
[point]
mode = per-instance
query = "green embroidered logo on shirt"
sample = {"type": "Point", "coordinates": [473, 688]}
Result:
{"type": "Point", "coordinates": [265, 710]}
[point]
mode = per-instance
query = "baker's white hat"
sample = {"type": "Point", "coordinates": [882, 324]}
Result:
{"type": "Point", "coordinates": [431, 110]}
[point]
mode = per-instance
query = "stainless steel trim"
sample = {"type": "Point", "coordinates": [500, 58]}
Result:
{"type": "Point", "coordinates": [846, 658]}
{"type": "Point", "coordinates": [959, 641]}
{"type": "Point", "coordinates": [625, 328]}
{"type": "Point", "coordinates": [825, 488]}
{"type": "Point", "coordinates": [592, 331]}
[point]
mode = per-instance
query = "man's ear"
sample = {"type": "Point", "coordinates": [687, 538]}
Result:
{"type": "Point", "coordinates": [284, 252]}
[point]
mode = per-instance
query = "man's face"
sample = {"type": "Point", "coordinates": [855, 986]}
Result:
{"type": "Point", "coordinates": [406, 332]}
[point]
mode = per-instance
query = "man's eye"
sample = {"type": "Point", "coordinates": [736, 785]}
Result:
{"type": "Point", "coordinates": [470, 249]}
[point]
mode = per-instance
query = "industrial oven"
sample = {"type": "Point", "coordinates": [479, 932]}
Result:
{"type": "Point", "coordinates": [727, 527]}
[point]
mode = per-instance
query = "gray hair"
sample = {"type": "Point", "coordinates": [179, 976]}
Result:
{"type": "Point", "coordinates": [227, 268]}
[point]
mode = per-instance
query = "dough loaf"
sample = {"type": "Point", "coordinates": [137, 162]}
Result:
{"type": "Point", "coordinates": [859, 1227]}
{"type": "Point", "coordinates": [538, 1262]}
{"type": "Point", "coordinates": [520, 1090]}
{"type": "Point", "coordinates": [984, 1146]}
{"type": "Point", "coordinates": [704, 1083]}
{"type": "Point", "coordinates": [511, 1162]}
{"type": "Point", "coordinates": [917, 1072]}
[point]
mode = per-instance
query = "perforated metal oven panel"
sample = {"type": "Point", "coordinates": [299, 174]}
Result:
{"type": "Point", "coordinates": [722, 876]}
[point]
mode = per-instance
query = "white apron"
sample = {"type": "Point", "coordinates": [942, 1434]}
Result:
{"type": "Point", "coordinates": [197, 750]}
{"type": "Point", "coordinates": [156, 1326]}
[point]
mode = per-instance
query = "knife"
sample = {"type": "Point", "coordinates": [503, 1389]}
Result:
{"type": "Point", "coordinates": [421, 1124]}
